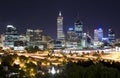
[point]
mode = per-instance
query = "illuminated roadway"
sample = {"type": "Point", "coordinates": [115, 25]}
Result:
{"type": "Point", "coordinates": [58, 57]}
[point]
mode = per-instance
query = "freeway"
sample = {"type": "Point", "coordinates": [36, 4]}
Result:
{"type": "Point", "coordinates": [60, 56]}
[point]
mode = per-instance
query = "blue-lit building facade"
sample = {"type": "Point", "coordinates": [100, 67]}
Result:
{"type": "Point", "coordinates": [98, 35]}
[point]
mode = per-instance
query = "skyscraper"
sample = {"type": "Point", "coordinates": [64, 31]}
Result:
{"type": "Point", "coordinates": [11, 36]}
{"type": "Point", "coordinates": [60, 34]}
{"type": "Point", "coordinates": [71, 38]}
{"type": "Point", "coordinates": [98, 34]}
{"type": "Point", "coordinates": [34, 37]}
{"type": "Point", "coordinates": [111, 35]}
{"type": "Point", "coordinates": [79, 28]}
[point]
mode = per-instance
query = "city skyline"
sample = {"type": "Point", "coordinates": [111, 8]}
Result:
{"type": "Point", "coordinates": [43, 15]}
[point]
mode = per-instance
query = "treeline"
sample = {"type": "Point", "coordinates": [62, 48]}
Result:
{"type": "Point", "coordinates": [90, 70]}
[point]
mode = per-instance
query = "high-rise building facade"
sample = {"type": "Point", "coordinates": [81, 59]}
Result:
{"type": "Point", "coordinates": [79, 28]}
{"type": "Point", "coordinates": [34, 37]}
{"type": "Point", "coordinates": [71, 38]}
{"type": "Point", "coordinates": [11, 36]}
{"type": "Point", "coordinates": [111, 35]}
{"type": "Point", "coordinates": [98, 34]}
{"type": "Point", "coordinates": [84, 40]}
{"type": "Point", "coordinates": [60, 34]}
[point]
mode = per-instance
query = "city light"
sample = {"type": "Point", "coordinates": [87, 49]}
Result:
{"type": "Point", "coordinates": [38, 42]}
{"type": "Point", "coordinates": [53, 71]}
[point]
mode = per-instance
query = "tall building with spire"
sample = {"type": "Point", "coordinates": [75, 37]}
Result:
{"type": "Point", "coordinates": [60, 34]}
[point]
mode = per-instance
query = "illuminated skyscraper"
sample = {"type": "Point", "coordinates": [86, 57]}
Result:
{"type": "Point", "coordinates": [11, 36]}
{"type": "Point", "coordinates": [98, 34]}
{"type": "Point", "coordinates": [60, 35]}
{"type": "Point", "coordinates": [34, 37]}
{"type": "Point", "coordinates": [79, 28]}
{"type": "Point", "coordinates": [84, 40]}
{"type": "Point", "coordinates": [111, 35]}
{"type": "Point", "coordinates": [71, 38]}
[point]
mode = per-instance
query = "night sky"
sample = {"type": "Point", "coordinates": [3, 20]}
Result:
{"type": "Point", "coordinates": [42, 14]}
